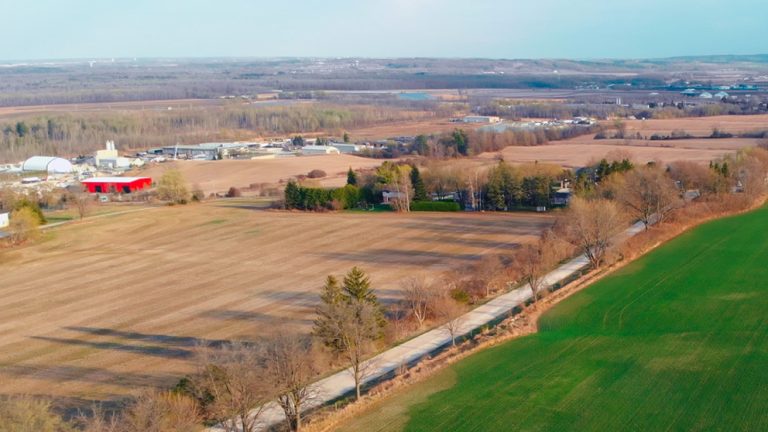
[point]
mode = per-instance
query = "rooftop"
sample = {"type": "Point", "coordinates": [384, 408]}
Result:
{"type": "Point", "coordinates": [114, 179]}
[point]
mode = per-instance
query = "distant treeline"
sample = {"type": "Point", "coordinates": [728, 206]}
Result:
{"type": "Point", "coordinates": [70, 134]}
{"type": "Point", "coordinates": [467, 143]}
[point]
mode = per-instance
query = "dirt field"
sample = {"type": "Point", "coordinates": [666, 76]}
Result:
{"type": "Point", "coordinates": [579, 151]}
{"type": "Point", "coordinates": [725, 144]}
{"type": "Point", "coordinates": [700, 126]}
{"type": "Point", "coordinates": [580, 155]}
{"type": "Point", "coordinates": [116, 303]}
{"type": "Point", "coordinates": [219, 176]}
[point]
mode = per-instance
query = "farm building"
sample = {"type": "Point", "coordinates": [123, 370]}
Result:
{"type": "Point", "coordinates": [481, 119]}
{"type": "Point", "coordinates": [689, 92]}
{"type": "Point", "coordinates": [191, 152]}
{"type": "Point", "coordinates": [319, 150]}
{"type": "Point", "coordinates": [4, 220]}
{"type": "Point", "coordinates": [49, 164]}
{"type": "Point", "coordinates": [116, 184]}
{"type": "Point", "coordinates": [347, 147]}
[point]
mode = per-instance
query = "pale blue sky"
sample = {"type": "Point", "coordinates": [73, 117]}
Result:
{"type": "Point", "coordinates": [41, 29]}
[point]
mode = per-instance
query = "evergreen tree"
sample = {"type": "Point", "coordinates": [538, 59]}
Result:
{"type": "Point", "coordinates": [419, 189]}
{"type": "Point", "coordinates": [461, 142]}
{"type": "Point", "coordinates": [331, 293]}
{"type": "Point", "coordinates": [346, 137]}
{"type": "Point", "coordinates": [298, 141]}
{"type": "Point", "coordinates": [357, 286]}
{"type": "Point", "coordinates": [351, 177]}
{"type": "Point", "coordinates": [420, 145]}
{"type": "Point", "coordinates": [603, 169]}
{"type": "Point", "coordinates": [293, 199]}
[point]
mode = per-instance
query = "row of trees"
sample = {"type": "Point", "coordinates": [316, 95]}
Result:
{"type": "Point", "coordinates": [464, 143]}
{"type": "Point", "coordinates": [80, 133]}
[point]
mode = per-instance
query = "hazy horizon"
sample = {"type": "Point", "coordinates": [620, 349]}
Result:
{"type": "Point", "coordinates": [483, 29]}
{"type": "Point", "coordinates": [265, 58]}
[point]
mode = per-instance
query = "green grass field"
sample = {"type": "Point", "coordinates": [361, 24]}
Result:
{"type": "Point", "coordinates": [676, 341]}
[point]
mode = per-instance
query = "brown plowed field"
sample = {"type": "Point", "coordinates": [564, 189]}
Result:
{"type": "Point", "coordinates": [109, 305]}
{"type": "Point", "coordinates": [219, 176]}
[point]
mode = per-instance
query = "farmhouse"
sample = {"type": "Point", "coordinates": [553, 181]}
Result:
{"type": "Point", "coordinates": [561, 197]}
{"type": "Point", "coordinates": [388, 197]}
{"type": "Point", "coordinates": [116, 184]}
{"type": "Point", "coordinates": [49, 164]}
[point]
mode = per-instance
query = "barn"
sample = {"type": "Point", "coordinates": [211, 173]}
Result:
{"type": "Point", "coordinates": [116, 184]}
{"type": "Point", "coordinates": [49, 164]}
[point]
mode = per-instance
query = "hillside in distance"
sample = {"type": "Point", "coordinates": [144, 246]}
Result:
{"type": "Point", "coordinates": [113, 80]}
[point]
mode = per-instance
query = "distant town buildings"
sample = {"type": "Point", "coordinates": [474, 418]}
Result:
{"type": "Point", "coordinates": [481, 119]}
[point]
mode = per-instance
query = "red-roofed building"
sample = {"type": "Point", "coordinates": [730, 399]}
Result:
{"type": "Point", "coordinates": [116, 184]}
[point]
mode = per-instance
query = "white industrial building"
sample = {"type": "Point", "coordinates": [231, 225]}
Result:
{"type": "Point", "coordinates": [481, 119]}
{"type": "Point", "coordinates": [110, 159]}
{"type": "Point", "coordinates": [4, 220]}
{"type": "Point", "coordinates": [49, 164]}
{"type": "Point", "coordinates": [319, 150]}
{"type": "Point", "coordinates": [106, 155]}
{"type": "Point", "coordinates": [347, 147]}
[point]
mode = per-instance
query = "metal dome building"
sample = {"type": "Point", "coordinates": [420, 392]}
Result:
{"type": "Point", "coordinates": [49, 164]}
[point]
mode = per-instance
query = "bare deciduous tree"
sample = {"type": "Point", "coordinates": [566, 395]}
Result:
{"type": "Point", "coordinates": [451, 313]}
{"type": "Point", "coordinates": [349, 329]}
{"type": "Point", "coordinates": [152, 411]}
{"type": "Point", "coordinates": [233, 379]}
{"type": "Point", "coordinates": [649, 194]}
{"type": "Point", "coordinates": [591, 226]}
{"type": "Point", "coordinates": [535, 260]}
{"type": "Point", "coordinates": [291, 366]}
{"type": "Point", "coordinates": [418, 295]}
{"type": "Point", "coordinates": [27, 414]}
{"type": "Point", "coordinates": [82, 202]}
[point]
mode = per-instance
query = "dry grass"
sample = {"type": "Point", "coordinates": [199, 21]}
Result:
{"type": "Point", "coordinates": [116, 303]}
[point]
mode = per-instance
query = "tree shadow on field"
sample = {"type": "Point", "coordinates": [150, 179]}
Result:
{"type": "Point", "coordinates": [398, 257]}
{"type": "Point", "coordinates": [476, 243]}
{"type": "Point", "coordinates": [252, 316]}
{"type": "Point", "coordinates": [71, 407]}
{"type": "Point", "coordinates": [67, 373]}
{"type": "Point", "coordinates": [492, 226]}
{"type": "Point", "coordinates": [150, 350]}
{"type": "Point", "coordinates": [155, 345]}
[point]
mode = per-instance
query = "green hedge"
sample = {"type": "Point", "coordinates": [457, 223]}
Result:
{"type": "Point", "coordinates": [436, 206]}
